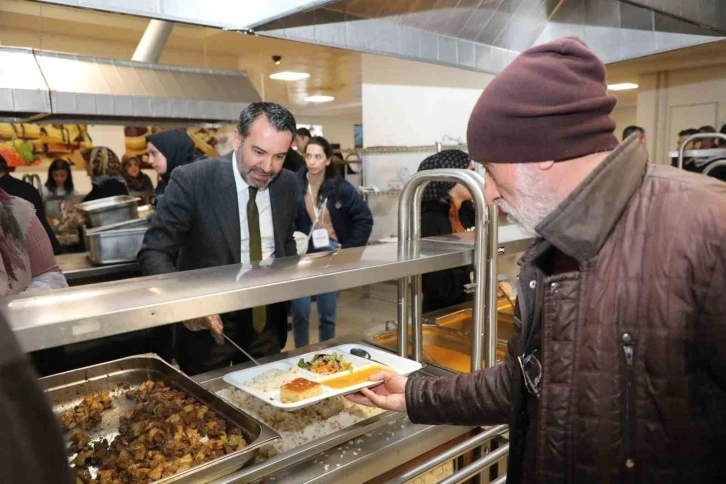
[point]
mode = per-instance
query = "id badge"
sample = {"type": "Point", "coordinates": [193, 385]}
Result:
{"type": "Point", "coordinates": [321, 239]}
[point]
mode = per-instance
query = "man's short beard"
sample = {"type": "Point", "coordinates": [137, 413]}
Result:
{"type": "Point", "coordinates": [245, 174]}
{"type": "Point", "coordinates": [535, 199]}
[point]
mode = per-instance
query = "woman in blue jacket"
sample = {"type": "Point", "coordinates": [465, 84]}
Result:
{"type": "Point", "coordinates": [334, 215]}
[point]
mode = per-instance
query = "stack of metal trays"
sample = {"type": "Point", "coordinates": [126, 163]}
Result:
{"type": "Point", "coordinates": [116, 243]}
{"type": "Point", "coordinates": [107, 211]}
{"type": "Point", "coordinates": [66, 390]}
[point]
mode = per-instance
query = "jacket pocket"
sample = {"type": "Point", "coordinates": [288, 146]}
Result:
{"type": "Point", "coordinates": [628, 344]}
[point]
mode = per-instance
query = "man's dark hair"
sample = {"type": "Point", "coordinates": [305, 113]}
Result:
{"type": "Point", "coordinates": [303, 132]}
{"type": "Point", "coordinates": [706, 129]}
{"type": "Point", "coordinates": [3, 166]}
{"type": "Point", "coordinates": [627, 132]}
{"type": "Point", "coordinates": [688, 132]}
{"type": "Point", "coordinates": [280, 118]}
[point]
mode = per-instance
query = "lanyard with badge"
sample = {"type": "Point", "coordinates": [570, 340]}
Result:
{"type": "Point", "coordinates": [321, 238]}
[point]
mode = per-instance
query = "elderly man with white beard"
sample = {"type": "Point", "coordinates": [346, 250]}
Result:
{"type": "Point", "coordinates": [617, 371]}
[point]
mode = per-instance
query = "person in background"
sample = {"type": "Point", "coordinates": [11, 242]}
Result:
{"type": "Point", "coordinates": [293, 161]}
{"type": "Point", "coordinates": [708, 143]}
{"type": "Point", "coordinates": [302, 138]}
{"type": "Point", "coordinates": [27, 263]}
{"type": "Point", "coordinates": [239, 208]}
{"type": "Point", "coordinates": [168, 150]}
{"type": "Point", "coordinates": [26, 413]}
{"type": "Point", "coordinates": [60, 179]}
{"type": "Point", "coordinates": [689, 164]}
{"type": "Point", "coordinates": [26, 191]}
{"type": "Point", "coordinates": [630, 130]}
{"type": "Point", "coordinates": [136, 180]}
{"type": "Point", "coordinates": [617, 370]}
{"type": "Point", "coordinates": [104, 168]}
{"type": "Point", "coordinates": [60, 198]}
{"type": "Point", "coordinates": [333, 214]}
{"type": "Point", "coordinates": [440, 215]}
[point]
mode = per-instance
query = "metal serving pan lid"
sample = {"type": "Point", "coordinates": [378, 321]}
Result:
{"type": "Point", "coordinates": [107, 203]}
{"type": "Point", "coordinates": [128, 224]}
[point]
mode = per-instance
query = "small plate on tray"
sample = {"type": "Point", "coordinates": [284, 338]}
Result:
{"type": "Point", "coordinates": [304, 380]}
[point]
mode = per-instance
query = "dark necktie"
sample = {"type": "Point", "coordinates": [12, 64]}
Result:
{"type": "Point", "coordinates": [259, 314]}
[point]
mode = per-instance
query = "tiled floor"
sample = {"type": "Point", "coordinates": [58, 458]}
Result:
{"type": "Point", "coordinates": [358, 310]}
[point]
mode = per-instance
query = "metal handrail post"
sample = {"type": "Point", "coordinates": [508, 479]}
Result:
{"type": "Point", "coordinates": [491, 281]}
{"type": "Point", "coordinates": [713, 165]}
{"type": "Point", "coordinates": [407, 230]}
{"type": "Point", "coordinates": [695, 137]}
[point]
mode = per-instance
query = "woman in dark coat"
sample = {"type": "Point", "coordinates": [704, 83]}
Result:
{"type": "Point", "coordinates": [328, 206]}
{"type": "Point", "coordinates": [444, 210]}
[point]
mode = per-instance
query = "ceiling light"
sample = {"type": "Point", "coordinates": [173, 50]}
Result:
{"type": "Point", "coordinates": [289, 76]}
{"type": "Point", "coordinates": [624, 86]}
{"type": "Point", "coordinates": [319, 99]}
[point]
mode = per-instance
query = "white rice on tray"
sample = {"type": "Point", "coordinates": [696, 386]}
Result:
{"type": "Point", "coordinates": [273, 379]}
{"type": "Point", "coordinates": [301, 426]}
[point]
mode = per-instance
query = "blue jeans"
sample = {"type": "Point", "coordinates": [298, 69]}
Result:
{"type": "Point", "coordinates": [326, 311]}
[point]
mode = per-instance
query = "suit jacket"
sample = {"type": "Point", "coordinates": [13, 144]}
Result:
{"type": "Point", "coordinates": [196, 225]}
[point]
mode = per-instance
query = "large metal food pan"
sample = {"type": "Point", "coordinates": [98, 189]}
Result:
{"type": "Point", "coordinates": [442, 346]}
{"type": "Point", "coordinates": [66, 390]}
{"type": "Point", "coordinates": [110, 210]}
{"type": "Point", "coordinates": [114, 246]}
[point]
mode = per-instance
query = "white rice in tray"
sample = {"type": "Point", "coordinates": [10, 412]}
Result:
{"type": "Point", "coordinates": [301, 426]}
{"type": "Point", "coordinates": [271, 380]}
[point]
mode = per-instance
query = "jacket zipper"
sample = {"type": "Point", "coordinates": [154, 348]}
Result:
{"type": "Point", "coordinates": [628, 343]}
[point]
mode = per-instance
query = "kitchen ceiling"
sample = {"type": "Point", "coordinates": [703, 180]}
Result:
{"type": "Point", "coordinates": [486, 35]}
{"type": "Point", "coordinates": [333, 71]}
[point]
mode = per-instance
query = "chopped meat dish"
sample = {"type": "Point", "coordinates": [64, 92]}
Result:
{"type": "Point", "coordinates": [166, 433]}
{"type": "Point", "coordinates": [86, 414]}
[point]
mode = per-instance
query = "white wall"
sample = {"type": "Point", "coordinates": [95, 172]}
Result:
{"type": "Point", "coordinates": [336, 129]}
{"type": "Point", "coordinates": [407, 103]}
{"type": "Point", "coordinates": [624, 116]}
{"type": "Point", "coordinates": [670, 101]}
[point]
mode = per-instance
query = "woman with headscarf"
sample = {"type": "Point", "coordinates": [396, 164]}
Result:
{"type": "Point", "coordinates": [104, 168]}
{"type": "Point", "coordinates": [169, 150]}
{"type": "Point", "coordinates": [441, 214]}
{"type": "Point", "coordinates": [136, 180]}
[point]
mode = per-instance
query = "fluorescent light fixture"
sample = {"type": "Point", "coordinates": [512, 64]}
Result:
{"type": "Point", "coordinates": [319, 99]}
{"type": "Point", "coordinates": [289, 76]}
{"type": "Point", "coordinates": [624, 86]}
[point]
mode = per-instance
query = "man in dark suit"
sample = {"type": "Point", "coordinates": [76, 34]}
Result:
{"type": "Point", "coordinates": [239, 208]}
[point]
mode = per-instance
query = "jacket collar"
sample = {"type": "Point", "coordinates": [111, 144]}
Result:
{"type": "Point", "coordinates": [581, 224]}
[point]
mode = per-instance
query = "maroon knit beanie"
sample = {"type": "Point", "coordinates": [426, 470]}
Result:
{"type": "Point", "coordinates": [550, 103]}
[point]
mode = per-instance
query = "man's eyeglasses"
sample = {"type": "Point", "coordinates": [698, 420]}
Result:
{"type": "Point", "coordinates": [532, 372]}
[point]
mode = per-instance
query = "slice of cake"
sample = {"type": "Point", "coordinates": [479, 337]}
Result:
{"type": "Point", "coordinates": [300, 389]}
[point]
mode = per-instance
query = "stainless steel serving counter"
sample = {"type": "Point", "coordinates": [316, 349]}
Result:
{"type": "Point", "coordinates": [359, 453]}
{"type": "Point", "coordinates": [84, 313]}
{"type": "Point", "coordinates": [76, 267]}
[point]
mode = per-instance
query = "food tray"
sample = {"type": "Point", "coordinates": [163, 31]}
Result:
{"type": "Point", "coordinates": [66, 390]}
{"type": "Point", "coordinates": [241, 378]}
{"type": "Point", "coordinates": [107, 211]}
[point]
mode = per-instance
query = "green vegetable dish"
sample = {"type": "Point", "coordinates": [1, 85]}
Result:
{"type": "Point", "coordinates": [323, 364]}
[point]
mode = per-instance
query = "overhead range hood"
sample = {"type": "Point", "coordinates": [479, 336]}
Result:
{"type": "Point", "coordinates": [53, 87]}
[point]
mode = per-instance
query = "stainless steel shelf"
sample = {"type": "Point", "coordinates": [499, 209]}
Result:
{"type": "Point", "coordinates": [84, 313]}
{"type": "Point", "coordinates": [77, 267]}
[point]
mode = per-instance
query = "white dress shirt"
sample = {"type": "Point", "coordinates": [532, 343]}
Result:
{"type": "Point", "coordinates": [267, 231]}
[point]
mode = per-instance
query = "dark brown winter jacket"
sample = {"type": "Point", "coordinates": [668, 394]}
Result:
{"type": "Point", "coordinates": [633, 343]}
